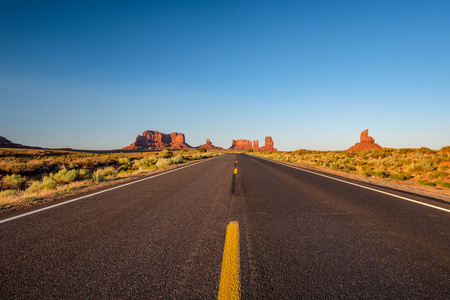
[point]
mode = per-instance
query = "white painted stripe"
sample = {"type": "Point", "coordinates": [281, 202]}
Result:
{"type": "Point", "coordinates": [97, 193]}
{"type": "Point", "coordinates": [358, 185]}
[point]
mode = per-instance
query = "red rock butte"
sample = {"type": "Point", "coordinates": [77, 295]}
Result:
{"type": "Point", "coordinates": [155, 140]}
{"type": "Point", "coordinates": [367, 142]}
{"type": "Point", "coordinates": [249, 145]}
{"type": "Point", "coordinates": [210, 146]}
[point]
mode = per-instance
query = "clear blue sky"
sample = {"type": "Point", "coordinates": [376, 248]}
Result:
{"type": "Point", "coordinates": [311, 74]}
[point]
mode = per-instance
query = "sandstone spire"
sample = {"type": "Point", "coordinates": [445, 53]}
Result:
{"type": "Point", "coordinates": [367, 142]}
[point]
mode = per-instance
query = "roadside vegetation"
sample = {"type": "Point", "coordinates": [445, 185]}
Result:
{"type": "Point", "coordinates": [421, 166]}
{"type": "Point", "coordinates": [29, 176]}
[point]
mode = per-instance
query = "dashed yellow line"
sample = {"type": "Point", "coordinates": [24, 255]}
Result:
{"type": "Point", "coordinates": [235, 170]}
{"type": "Point", "coordinates": [230, 285]}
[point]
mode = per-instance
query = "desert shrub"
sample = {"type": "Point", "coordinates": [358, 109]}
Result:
{"type": "Point", "coordinates": [88, 163]}
{"type": "Point", "coordinates": [153, 159]}
{"type": "Point", "coordinates": [177, 160]}
{"type": "Point", "coordinates": [360, 162]}
{"type": "Point", "coordinates": [18, 167]}
{"type": "Point", "coordinates": [301, 152]}
{"type": "Point", "coordinates": [103, 174]}
{"type": "Point", "coordinates": [407, 161]}
{"type": "Point", "coordinates": [97, 177]}
{"type": "Point", "coordinates": [123, 168]}
{"type": "Point", "coordinates": [445, 184]}
{"type": "Point", "coordinates": [108, 171]}
{"type": "Point", "coordinates": [48, 183]}
{"type": "Point", "coordinates": [106, 161]}
{"type": "Point", "coordinates": [405, 150]}
{"type": "Point", "coordinates": [398, 164]}
{"type": "Point", "coordinates": [348, 169]}
{"type": "Point", "coordinates": [202, 149]}
{"type": "Point", "coordinates": [16, 181]}
{"type": "Point", "coordinates": [8, 193]}
{"type": "Point", "coordinates": [445, 149]}
{"type": "Point", "coordinates": [421, 167]}
{"type": "Point", "coordinates": [396, 177]}
{"type": "Point", "coordinates": [438, 159]}
{"type": "Point", "coordinates": [388, 161]}
{"type": "Point", "coordinates": [438, 174]}
{"type": "Point", "coordinates": [425, 150]}
{"type": "Point", "coordinates": [369, 173]}
{"type": "Point", "coordinates": [381, 174]}
{"type": "Point", "coordinates": [145, 163]}
{"type": "Point", "coordinates": [33, 167]}
{"type": "Point", "coordinates": [66, 176]}
{"type": "Point", "coordinates": [198, 156]}
{"type": "Point", "coordinates": [444, 167]}
{"type": "Point", "coordinates": [406, 175]}
{"type": "Point", "coordinates": [377, 154]}
{"type": "Point", "coordinates": [424, 182]}
{"type": "Point", "coordinates": [124, 161]}
{"type": "Point", "coordinates": [127, 171]}
{"type": "Point", "coordinates": [84, 174]}
{"type": "Point", "coordinates": [166, 153]}
{"type": "Point", "coordinates": [163, 163]}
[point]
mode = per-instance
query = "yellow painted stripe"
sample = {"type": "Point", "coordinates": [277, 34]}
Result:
{"type": "Point", "coordinates": [230, 285]}
{"type": "Point", "coordinates": [235, 170]}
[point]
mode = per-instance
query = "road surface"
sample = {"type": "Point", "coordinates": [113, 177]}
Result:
{"type": "Point", "coordinates": [301, 235]}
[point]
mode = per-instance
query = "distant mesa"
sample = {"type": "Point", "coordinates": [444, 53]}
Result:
{"type": "Point", "coordinates": [210, 146]}
{"type": "Point", "coordinates": [241, 144]}
{"type": "Point", "coordinates": [155, 140]}
{"type": "Point", "coordinates": [249, 145]}
{"type": "Point", "coordinates": [367, 142]}
{"type": "Point", "coordinates": [5, 143]}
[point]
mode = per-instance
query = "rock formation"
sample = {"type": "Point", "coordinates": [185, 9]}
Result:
{"type": "Point", "coordinates": [256, 145]}
{"type": "Point", "coordinates": [210, 146]}
{"type": "Point", "coordinates": [155, 140]}
{"type": "Point", "coordinates": [241, 144]}
{"type": "Point", "coordinates": [367, 142]}
{"type": "Point", "coordinates": [248, 145]}
{"type": "Point", "coordinates": [268, 145]}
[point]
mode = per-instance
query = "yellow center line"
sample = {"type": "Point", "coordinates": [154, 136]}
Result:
{"type": "Point", "coordinates": [235, 170]}
{"type": "Point", "coordinates": [230, 285]}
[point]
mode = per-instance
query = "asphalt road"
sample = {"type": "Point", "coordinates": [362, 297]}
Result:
{"type": "Point", "coordinates": [301, 236]}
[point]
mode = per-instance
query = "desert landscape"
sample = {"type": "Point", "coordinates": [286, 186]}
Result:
{"type": "Point", "coordinates": [224, 149]}
{"type": "Point", "coordinates": [32, 176]}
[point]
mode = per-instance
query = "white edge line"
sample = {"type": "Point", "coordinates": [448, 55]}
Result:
{"type": "Point", "coordinates": [355, 184]}
{"type": "Point", "coordinates": [104, 191]}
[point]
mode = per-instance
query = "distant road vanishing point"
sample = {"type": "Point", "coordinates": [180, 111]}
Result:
{"type": "Point", "coordinates": [296, 234]}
